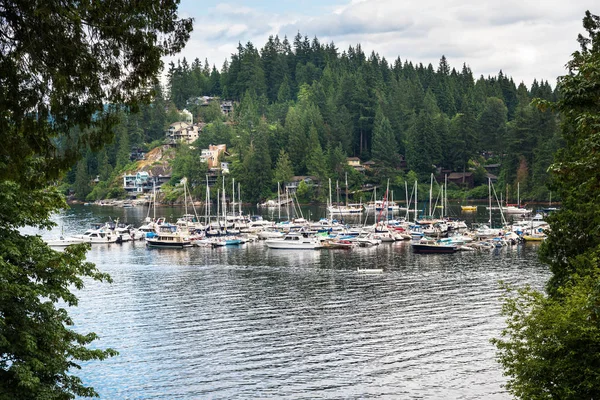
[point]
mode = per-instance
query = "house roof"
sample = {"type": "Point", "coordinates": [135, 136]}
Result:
{"type": "Point", "coordinates": [353, 159]}
{"type": "Point", "coordinates": [301, 178]}
{"type": "Point", "coordinates": [459, 175]}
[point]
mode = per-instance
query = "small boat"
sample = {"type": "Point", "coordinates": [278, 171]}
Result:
{"type": "Point", "coordinates": [534, 237]}
{"type": "Point", "coordinates": [339, 244]}
{"type": "Point", "coordinates": [428, 246]}
{"type": "Point", "coordinates": [468, 208]}
{"type": "Point", "coordinates": [369, 270]}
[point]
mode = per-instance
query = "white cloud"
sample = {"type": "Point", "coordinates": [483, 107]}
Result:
{"type": "Point", "coordinates": [526, 39]}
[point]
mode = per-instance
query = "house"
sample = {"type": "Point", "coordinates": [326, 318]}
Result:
{"type": "Point", "coordinates": [186, 116]}
{"type": "Point", "coordinates": [462, 179]}
{"type": "Point", "coordinates": [491, 177]}
{"type": "Point", "coordinates": [143, 182]}
{"type": "Point", "coordinates": [492, 168]}
{"type": "Point", "coordinates": [294, 182]}
{"type": "Point", "coordinates": [183, 132]}
{"type": "Point", "coordinates": [227, 107]}
{"type": "Point", "coordinates": [136, 154]}
{"type": "Point", "coordinates": [135, 183]}
{"type": "Point", "coordinates": [354, 162]}
{"type": "Point", "coordinates": [224, 167]}
{"type": "Point", "coordinates": [369, 164]}
{"type": "Point", "coordinates": [212, 154]}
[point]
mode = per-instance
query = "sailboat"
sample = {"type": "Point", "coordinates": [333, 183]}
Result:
{"type": "Point", "coordinates": [347, 209]}
{"type": "Point", "coordinates": [516, 208]}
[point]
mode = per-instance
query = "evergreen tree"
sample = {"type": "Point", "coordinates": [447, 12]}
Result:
{"type": "Point", "coordinates": [492, 126]}
{"type": "Point", "coordinates": [384, 142]}
{"type": "Point", "coordinates": [257, 166]}
{"type": "Point", "coordinates": [315, 161]}
{"type": "Point", "coordinates": [283, 169]}
{"type": "Point", "coordinates": [297, 140]}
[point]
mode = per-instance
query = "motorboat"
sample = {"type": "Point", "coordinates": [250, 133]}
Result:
{"type": "Point", "coordinates": [295, 241]}
{"type": "Point", "coordinates": [427, 246]}
{"type": "Point", "coordinates": [168, 236]}
{"type": "Point", "coordinates": [63, 242]}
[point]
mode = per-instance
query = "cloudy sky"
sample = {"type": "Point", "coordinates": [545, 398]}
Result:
{"type": "Point", "coordinates": [526, 39]}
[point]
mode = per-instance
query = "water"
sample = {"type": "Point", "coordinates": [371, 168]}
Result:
{"type": "Point", "coordinates": [252, 322]}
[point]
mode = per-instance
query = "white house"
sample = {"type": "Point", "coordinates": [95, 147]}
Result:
{"type": "Point", "coordinates": [212, 154]}
{"type": "Point", "coordinates": [183, 132]}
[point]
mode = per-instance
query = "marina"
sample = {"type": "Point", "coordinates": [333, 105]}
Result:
{"type": "Point", "coordinates": [248, 321]}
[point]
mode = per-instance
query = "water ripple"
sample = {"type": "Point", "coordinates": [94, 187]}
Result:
{"type": "Point", "coordinates": [250, 322]}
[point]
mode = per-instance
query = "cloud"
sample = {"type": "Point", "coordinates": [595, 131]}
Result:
{"type": "Point", "coordinates": [523, 38]}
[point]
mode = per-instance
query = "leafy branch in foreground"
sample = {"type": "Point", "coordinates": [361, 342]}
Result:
{"type": "Point", "coordinates": [66, 69]}
{"type": "Point", "coordinates": [550, 348]}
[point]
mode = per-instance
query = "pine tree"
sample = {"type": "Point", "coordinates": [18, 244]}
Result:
{"type": "Point", "coordinates": [384, 143]}
{"type": "Point", "coordinates": [283, 169]}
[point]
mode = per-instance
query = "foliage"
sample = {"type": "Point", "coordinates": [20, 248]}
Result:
{"type": "Point", "coordinates": [283, 169]}
{"type": "Point", "coordinates": [384, 142]}
{"type": "Point", "coordinates": [38, 349]}
{"type": "Point", "coordinates": [304, 192]}
{"type": "Point", "coordinates": [66, 70]}
{"type": "Point", "coordinates": [186, 164]}
{"type": "Point", "coordinates": [551, 346]}
{"type": "Point", "coordinates": [360, 105]}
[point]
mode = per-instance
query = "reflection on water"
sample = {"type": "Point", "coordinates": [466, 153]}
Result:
{"type": "Point", "coordinates": [253, 322]}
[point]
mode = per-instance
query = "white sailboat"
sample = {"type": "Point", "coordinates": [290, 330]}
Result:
{"type": "Point", "coordinates": [340, 209]}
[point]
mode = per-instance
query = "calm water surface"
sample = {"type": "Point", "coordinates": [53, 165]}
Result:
{"type": "Point", "coordinates": [252, 322]}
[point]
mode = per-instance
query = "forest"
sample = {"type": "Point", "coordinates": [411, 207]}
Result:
{"type": "Point", "coordinates": [302, 107]}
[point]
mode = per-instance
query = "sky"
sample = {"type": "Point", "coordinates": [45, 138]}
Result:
{"type": "Point", "coordinates": [526, 39]}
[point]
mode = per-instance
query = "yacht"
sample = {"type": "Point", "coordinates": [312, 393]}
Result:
{"type": "Point", "coordinates": [295, 241]}
{"type": "Point", "coordinates": [168, 236]}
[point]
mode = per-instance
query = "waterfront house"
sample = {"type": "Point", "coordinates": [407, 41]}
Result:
{"type": "Point", "coordinates": [135, 183]}
{"type": "Point", "coordinates": [463, 179]}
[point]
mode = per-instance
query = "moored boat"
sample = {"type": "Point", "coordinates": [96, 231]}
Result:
{"type": "Point", "coordinates": [428, 246]}
{"type": "Point", "coordinates": [168, 236]}
{"type": "Point", "coordinates": [295, 241]}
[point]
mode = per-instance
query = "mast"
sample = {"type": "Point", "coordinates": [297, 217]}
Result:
{"type": "Point", "coordinates": [240, 198]}
{"type": "Point", "coordinates": [445, 205]}
{"type": "Point", "coordinates": [185, 196]}
{"type": "Point", "coordinates": [337, 190]}
{"type": "Point", "coordinates": [278, 202]}
{"type": "Point", "coordinates": [390, 209]}
{"type": "Point", "coordinates": [224, 207]}
{"type": "Point", "coordinates": [406, 194]}
{"type": "Point", "coordinates": [233, 196]}
{"type": "Point", "coordinates": [207, 205]}
{"type": "Point", "coordinates": [154, 201]}
{"type": "Point", "coordinates": [218, 209]}
{"type": "Point", "coordinates": [416, 189]}
{"type": "Point", "coordinates": [430, 194]}
{"type": "Point", "coordinates": [346, 189]}
{"type": "Point", "coordinates": [490, 199]}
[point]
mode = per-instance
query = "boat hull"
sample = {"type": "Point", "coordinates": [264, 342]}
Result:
{"type": "Point", "coordinates": [433, 249]}
{"type": "Point", "coordinates": [167, 245]}
{"type": "Point", "coordinates": [280, 245]}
